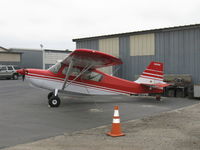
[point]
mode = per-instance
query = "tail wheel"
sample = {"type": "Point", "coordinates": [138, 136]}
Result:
{"type": "Point", "coordinates": [50, 95]}
{"type": "Point", "coordinates": [54, 101]}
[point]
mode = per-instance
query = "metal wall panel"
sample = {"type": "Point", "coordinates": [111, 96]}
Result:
{"type": "Point", "coordinates": [180, 52]}
{"type": "Point", "coordinates": [31, 58]}
{"type": "Point", "coordinates": [89, 44]}
{"type": "Point", "coordinates": [124, 55]}
{"type": "Point", "coordinates": [109, 46]}
{"type": "Point", "coordinates": [142, 45]}
{"type": "Point", "coordinates": [9, 57]}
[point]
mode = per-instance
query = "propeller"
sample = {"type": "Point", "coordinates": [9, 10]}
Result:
{"type": "Point", "coordinates": [23, 72]}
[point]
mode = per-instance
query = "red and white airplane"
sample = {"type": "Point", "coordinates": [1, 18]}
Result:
{"type": "Point", "coordinates": [78, 74]}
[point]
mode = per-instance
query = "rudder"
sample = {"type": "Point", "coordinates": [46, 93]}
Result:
{"type": "Point", "coordinates": [153, 74]}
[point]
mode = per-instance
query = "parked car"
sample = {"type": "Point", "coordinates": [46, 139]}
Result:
{"type": "Point", "coordinates": [9, 72]}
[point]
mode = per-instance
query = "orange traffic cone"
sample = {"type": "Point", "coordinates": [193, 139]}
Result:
{"type": "Point", "coordinates": [116, 127]}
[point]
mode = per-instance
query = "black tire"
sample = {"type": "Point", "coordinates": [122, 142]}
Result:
{"type": "Point", "coordinates": [15, 77]}
{"type": "Point", "coordinates": [54, 101]}
{"type": "Point", "coordinates": [50, 95]}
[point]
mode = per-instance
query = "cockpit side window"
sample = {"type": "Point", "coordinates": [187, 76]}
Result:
{"type": "Point", "coordinates": [94, 76]}
{"type": "Point", "coordinates": [88, 75]}
{"type": "Point", "coordinates": [55, 68]}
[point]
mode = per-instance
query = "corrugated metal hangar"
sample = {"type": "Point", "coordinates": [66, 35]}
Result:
{"type": "Point", "coordinates": [177, 47]}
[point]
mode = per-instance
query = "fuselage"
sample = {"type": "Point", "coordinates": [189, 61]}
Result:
{"type": "Point", "coordinates": [98, 83]}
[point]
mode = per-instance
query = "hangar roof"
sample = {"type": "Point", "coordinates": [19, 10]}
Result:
{"type": "Point", "coordinates": [30, 49]}
{"type": "Point", "coordinates": [5, 50]}
{"type": "Point", "coordinates": [24, 49]}
{"type": "Point", "coordinates": [141, 32]}
{"type": "Point", "coordinates": [50, 50]}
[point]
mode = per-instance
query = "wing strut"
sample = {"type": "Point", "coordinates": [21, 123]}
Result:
{"type": "Point", "coordinates": [82, 72]}
{"type": "Point", "coordinates": [68, 74]}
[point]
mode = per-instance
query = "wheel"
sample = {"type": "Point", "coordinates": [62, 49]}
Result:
{"type": "Point", "coordinates": [50, 95]}
{"type": "Point", "coordinates": [15, 77]}
{"type": "Point", "coordinates": [158, 97]}
{"type": "Point", "coordinates": [54, 101]}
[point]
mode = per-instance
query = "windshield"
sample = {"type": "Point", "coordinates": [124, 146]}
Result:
{"type": "Point", "coordinates": [55, 68]}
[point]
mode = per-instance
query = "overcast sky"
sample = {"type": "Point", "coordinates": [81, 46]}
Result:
{"type": "Point", "coordinates": [54, 23]}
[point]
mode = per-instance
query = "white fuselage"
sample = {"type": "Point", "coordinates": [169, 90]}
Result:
{"type": "Point", "coordinates": [52, 84]}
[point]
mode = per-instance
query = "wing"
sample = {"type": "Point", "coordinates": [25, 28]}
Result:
{"type": "Point", "coordinates": [85, 57]}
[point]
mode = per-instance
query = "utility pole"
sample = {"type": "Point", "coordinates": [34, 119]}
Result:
{"type": "Point", "coordinates": [43, 56]}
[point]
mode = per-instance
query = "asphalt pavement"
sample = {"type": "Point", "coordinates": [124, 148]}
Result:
{"type": "Point", "coordinates": [26, 117]}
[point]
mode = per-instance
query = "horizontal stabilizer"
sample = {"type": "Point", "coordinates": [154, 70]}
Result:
{"type": "Point", "coordinates": [158, 85]}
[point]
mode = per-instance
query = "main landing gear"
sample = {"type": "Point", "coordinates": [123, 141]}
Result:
{"type": "Point", "coordinates": [53, 99]}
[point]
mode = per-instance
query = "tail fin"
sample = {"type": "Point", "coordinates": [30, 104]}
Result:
{"type": "Point", "coordinates": [152, 75]}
